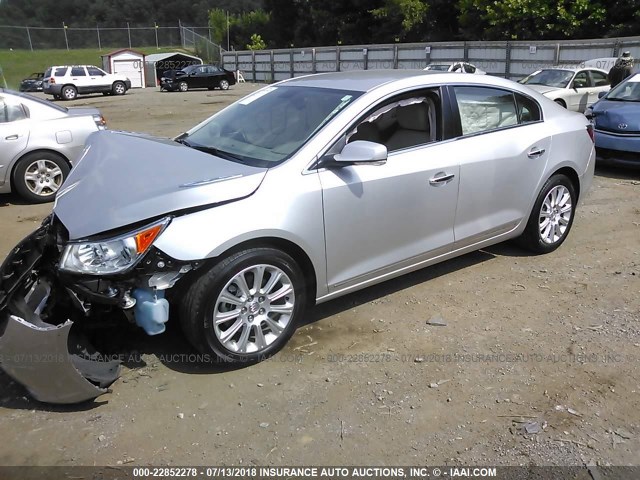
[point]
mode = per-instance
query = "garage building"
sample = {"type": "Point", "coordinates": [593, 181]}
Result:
{"type": "Point", "coordinates": [156, 63]}
{"type": "Point", "coordinates": [127, 62]}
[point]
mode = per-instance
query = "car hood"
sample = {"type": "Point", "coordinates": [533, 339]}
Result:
{"type": "Point", "coordinates": [610, 115]}
{"type": "Point", "coordinates": [541, 88]}
{"type": "Point", "coordinates": [123, 178]}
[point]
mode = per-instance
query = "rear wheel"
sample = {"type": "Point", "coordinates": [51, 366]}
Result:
{"type": "Point", "coordinates": [552, 216]}
{"type": "Point", "coordinates": [246, 307]}
{"type": "Point", "coordinates": [119, 88]}
{"type": "Point", "coordinates": [69, 92]}
{"type": "Point", "coordinates": [39, 175]}
{"type": "Point", "coordinates": [183, 87]}
{"type": "Point", "coordinates": [224, 84]}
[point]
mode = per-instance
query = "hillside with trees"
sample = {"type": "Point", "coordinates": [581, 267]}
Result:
{"type": "Point", "coordinates": [280, 23]}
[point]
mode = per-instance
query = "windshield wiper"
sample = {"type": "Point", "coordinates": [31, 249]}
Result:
{"type": "Point", "coordinates": [181, 139]}
{"type": "Point", "coordinates": [219, 153]}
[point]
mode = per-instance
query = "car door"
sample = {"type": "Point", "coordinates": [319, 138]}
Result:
{"type": "Point", "coordinates": [599, 83]}
{"type": "Point", "coordinates": [578, 92]}
{"type": "Point", "coordinates": [97, 79]}
{"type": "Point", "coordinates": [199, 77]}
{"type": "Point", "coordinates": [380, 219]}
{"type": "Point", "coordinates": [14, 133]}
{"type": "Point", "coordinates": [503, 151]}
{"type": "Point", "coordinates": [80, 79]}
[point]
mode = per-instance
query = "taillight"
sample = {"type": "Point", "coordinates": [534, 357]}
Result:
{"type": "Point", "coordinates": [52, 80]}
{"type": "Point", "coordinates": [591, 133]}
{"type": "Point", "coordinates": [101, 123]}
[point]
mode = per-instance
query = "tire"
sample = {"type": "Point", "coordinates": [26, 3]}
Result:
{"type": "Point", "coordinates": [223, 84]}
{"type": "Point", "coordinates": [119, 88]}
{"type": "Point", "coordinates": [560, 102]}
{"type": "Point", "coordinates": [552, 216]}
{"type": "Point", "coordinates": [57, 97]}
{"type": "Point", "coordinates": [38, 176]}
{"type": "Point", "coordinates": [69, 92]}
{"type": "Point", "coordinates": [106, 93]}
{"type": "Point", "coordinates": [260, 326]}
{"type": "Point", "coordinates": [183, 86]}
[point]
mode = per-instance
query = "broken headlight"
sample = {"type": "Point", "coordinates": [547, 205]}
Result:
{"type": "Point", "coordinates": [113, 255]}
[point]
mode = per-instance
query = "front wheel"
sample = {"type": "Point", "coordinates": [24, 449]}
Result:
{"type": "Point", "coordinates": [39, 175]}
{"type": "Point", "coordinates": [552, 216]}
{"type": "Point", "coordinates": [223, 84]}
{"type": "Point", "coordinates": [246, 307]}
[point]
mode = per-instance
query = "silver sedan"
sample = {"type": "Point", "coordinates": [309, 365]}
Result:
{"type": "Point", "coordinates": [39, 141]}
{"type": "Point", "coordinates": [299, 193]}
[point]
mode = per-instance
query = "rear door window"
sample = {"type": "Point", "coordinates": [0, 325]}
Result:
{"type": "Point", "coordinates": [484, 109]}
{"type": "Point", "coordinates": [78, 72]}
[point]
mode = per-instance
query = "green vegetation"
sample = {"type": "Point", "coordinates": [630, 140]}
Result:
{"type": "Point", "coordinates": [18, 64]}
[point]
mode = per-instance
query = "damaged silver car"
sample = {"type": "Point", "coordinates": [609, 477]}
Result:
{"type": "Point", "coordinates": [299, 193]}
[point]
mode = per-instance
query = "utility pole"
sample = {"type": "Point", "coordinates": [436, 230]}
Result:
{"type": "Point", "coordinates": [66, 40]}
{"type": "Point", "coordinates": [228, 47]}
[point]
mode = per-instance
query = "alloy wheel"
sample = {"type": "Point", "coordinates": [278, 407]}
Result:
{"type": "Point", "coordinates": [555, 214]}
{"type": "Point", "coordinates": [43, 177]}
{"type": "Point", "coordinates": [253, 309]}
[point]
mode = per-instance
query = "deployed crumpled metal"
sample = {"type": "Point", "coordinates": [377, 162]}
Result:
{"type": "Point", "coordinates": [36, 353]}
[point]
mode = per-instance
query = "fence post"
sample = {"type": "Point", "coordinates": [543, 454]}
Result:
{"type": "Point", "coordinates": [98, 32]}
{"type": "Point", "coordinates": [292, 71]}
{"type": "Point", "coordinates": [616, 48]}
{"type": "Point", "coordinates": [427, 54]}
{"type": "Point", "coordinates": [66, 40]}
{"type": "Point", "coordinates": [557, 59]}
{"type": "Point", "coordinates": [395, 57]}
{"type": "Point", "coordinates": [253, 65]}
{"type": "Point", "coordinates": [273, 67]}
{"type": "Point", "coordinates": [157, 46]}
{"type": "Point", "coordinates": [313, 60]}
{"type": "Point", "coordinates": [337, 59]}
{"type": "Point", "coordinates": [507, 63]}
{"type": "Point", "coordinates": [365, 57]}
{"type": "Point", "coordinates": [29, 35]}
{"type": "Point", "coordinates": [465, 49]}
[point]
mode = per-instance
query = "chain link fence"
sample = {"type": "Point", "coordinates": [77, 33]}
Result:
{"type": "Point", "coordinates": [68, 37]}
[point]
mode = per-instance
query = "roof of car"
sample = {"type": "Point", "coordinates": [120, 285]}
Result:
{"type": "Point", "coordinates": [359, 81]}
{"type": "Point", "coordinates": [573, 68]}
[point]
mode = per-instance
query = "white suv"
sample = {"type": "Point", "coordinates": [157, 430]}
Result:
{"type": "Point", "coordinates": [66, 82]}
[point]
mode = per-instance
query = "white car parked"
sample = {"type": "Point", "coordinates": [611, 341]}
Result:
{"type": "Point", "coordinates": [66, 82]}
{"type": "Point", "coordinates": [456, 67]}
{"type": "Point", "coordinates": [574, 88]}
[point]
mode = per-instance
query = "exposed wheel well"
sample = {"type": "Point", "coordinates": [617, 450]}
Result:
{"type": "Point", "coordinates": [290, 248]}
{"type": "Point", "coordinates": [561, 102]}
{"type": "Point", "coordinates": [573, 176]}
{"type": "Point", "coordinates": [13, 168]}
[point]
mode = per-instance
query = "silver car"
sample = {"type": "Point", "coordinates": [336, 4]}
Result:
{"type": "Point", "coordinates": [573, 88]}
{"type": "Point", "coordinates": [39, 142]}
{"type": "Point", "coordinates": [297, 194]}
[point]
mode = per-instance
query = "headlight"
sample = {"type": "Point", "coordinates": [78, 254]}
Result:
{"type": "Point", "coordinates": [114, 255]}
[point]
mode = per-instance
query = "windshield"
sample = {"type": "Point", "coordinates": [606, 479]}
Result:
{"type": "Point", "coordinates": [270, 125]}
{"type": "Point", "coordinates": [550, 78]}
{"type": "Point", "coordinates": [628, 91]}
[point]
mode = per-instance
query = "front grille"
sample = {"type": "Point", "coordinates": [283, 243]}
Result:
{"type": "Point", "coordinates": [617, 131]}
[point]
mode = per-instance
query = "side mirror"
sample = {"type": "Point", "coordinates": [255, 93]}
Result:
{"type": "Point", "coordinates": [601, 94]}
{"type": "Point", "coordinates": [360, 152]}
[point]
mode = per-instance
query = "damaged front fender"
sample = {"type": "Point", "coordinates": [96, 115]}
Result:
{"type": "Point", "coordinates": [34, 352]}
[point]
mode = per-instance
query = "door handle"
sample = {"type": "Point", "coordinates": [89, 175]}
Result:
{"type": "Point", "coordinates": [12, 137]}
{"type": "Point", "coordinates": [535, 152]}
{"type": "Point", "coordinates": [441, 178]}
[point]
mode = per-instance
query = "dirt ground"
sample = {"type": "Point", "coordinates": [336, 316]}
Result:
{"type": "Point", "coordinates": [552, 340]}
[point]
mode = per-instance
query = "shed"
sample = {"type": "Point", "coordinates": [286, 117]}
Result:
{"type": "Point", "coordinates": [156, 63]}
{"type": "Point", "coordinates": [127, 62]}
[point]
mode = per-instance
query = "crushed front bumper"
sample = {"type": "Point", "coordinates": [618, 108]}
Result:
{"type": "Point", "coordinates": [36, 353]}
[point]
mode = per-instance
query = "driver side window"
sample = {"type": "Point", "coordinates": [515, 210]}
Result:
{"type": "Point", "coordinates": [581, 80]}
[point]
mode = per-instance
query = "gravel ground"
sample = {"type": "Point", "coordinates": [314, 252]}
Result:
{"type": "Point", "coordinates": [537, 361]}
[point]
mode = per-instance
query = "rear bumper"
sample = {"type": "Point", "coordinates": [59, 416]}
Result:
{"type": "Point", "coordinates": [52, 89]}
{"type": "Point", "coordinates": [35, 352]}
